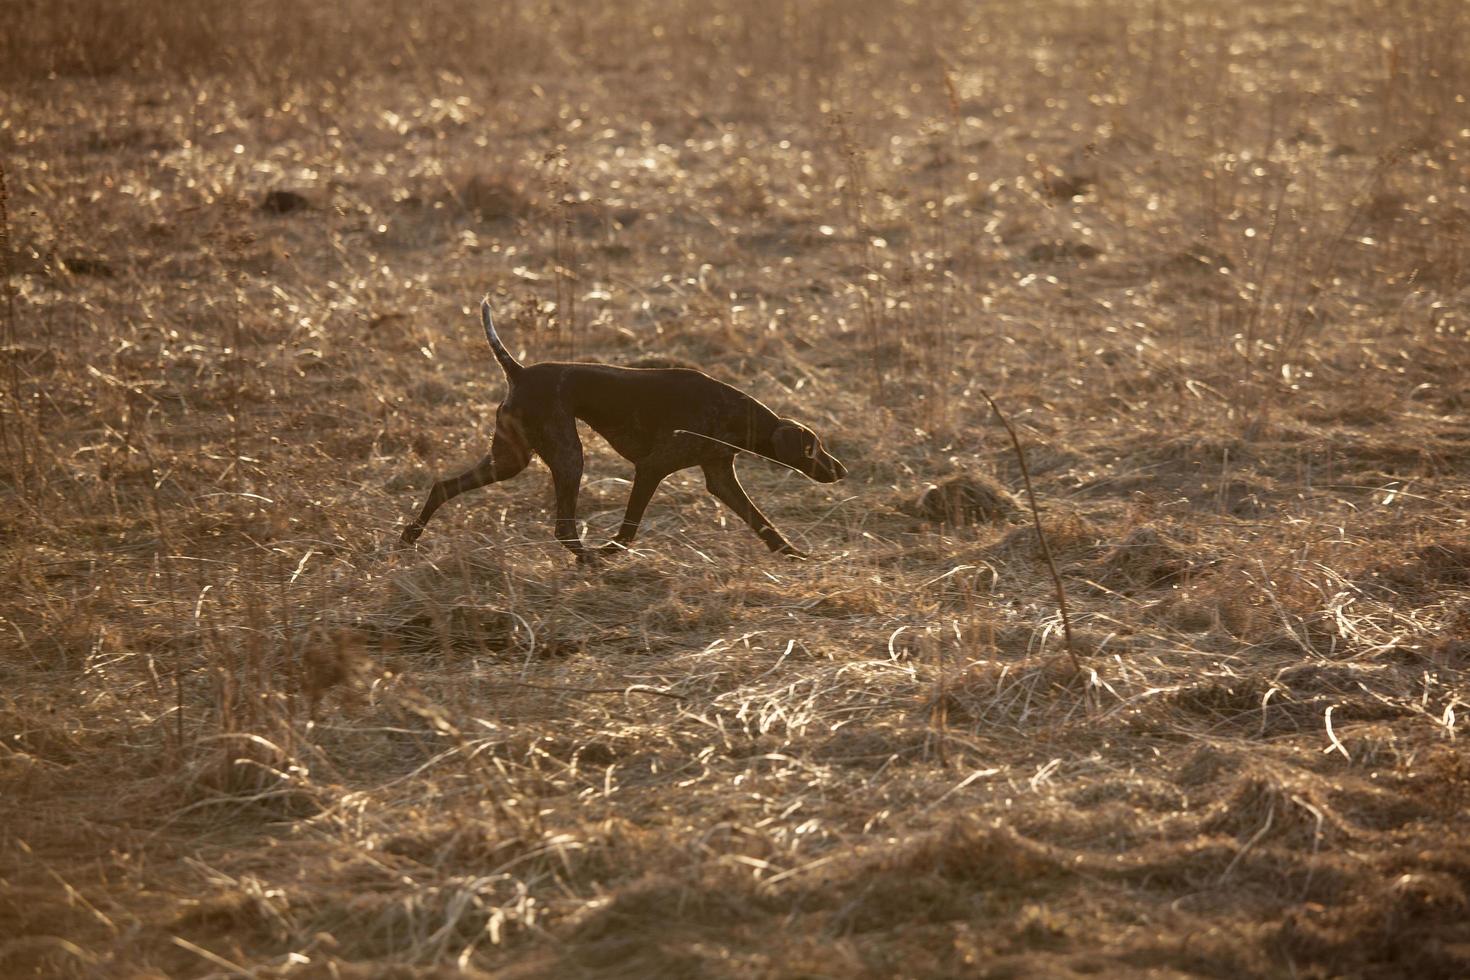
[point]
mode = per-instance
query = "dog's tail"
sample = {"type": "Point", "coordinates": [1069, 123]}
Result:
{"type": "Point", "coordinates": [508, 363]}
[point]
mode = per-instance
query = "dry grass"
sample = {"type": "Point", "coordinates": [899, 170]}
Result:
{"type": "Point", "coordinates": [1211, 260]}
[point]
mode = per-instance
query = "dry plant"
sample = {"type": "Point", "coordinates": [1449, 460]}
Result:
{"type": "Point", "coordinates": [1211, 259]}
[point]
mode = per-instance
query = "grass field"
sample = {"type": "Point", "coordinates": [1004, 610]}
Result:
{"type": "Point", "coordinates": [1211, 260]}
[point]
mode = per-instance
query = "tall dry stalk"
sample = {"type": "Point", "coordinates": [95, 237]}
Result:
{"type": "Point", "coordinates": [1051, 565]}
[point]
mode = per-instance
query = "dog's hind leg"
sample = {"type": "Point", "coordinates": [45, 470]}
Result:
{"type": "Point", "coordinates": [720, 480]}
{"type": "Point", "coordinates": [508, 456]}
{"type": "Point", "coordinates": [558, 444]}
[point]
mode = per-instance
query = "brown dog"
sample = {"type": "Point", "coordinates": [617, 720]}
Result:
{"type": "Point", "coordinates": [661, 419]}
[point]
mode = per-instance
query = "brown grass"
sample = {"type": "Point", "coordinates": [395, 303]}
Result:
{"type": "Point", "coordinates": [1211, 261]}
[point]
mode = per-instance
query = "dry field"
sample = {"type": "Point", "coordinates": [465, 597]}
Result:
{"type": "Point", "coordinates": [1212, 260]}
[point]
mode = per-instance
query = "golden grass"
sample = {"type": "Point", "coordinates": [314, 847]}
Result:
{"type": "Point", "coordinates": [1210, 261]}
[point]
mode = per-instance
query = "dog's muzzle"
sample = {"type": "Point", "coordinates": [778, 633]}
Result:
{"type": "Point", "coordinates": [827, 470]}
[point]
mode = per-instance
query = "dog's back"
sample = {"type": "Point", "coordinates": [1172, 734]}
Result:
{"type": "Point", "coordinates": [635, 409]}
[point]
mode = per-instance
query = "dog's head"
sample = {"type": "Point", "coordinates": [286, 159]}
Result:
{"type": "Point", "coordinates": [799, 448]}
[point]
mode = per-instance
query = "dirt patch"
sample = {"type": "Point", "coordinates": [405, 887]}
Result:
{"type": "Point", "coordinates": [1437, 564]}
{"type": "Point", "coordinates": [1146, 558]}
{"type": "Point", "coordinates": [965, 500]}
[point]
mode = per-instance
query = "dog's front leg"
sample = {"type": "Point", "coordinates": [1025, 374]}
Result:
{"type": "Point", "coordinates": [720, 480]}
{"type": "Point", "coordinates": [645, 481]}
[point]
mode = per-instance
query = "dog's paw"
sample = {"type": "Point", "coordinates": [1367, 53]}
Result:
{"type": "Point", "coordinates": [408, 537]}
{"type": "Point", "coordinates": [792, 552]}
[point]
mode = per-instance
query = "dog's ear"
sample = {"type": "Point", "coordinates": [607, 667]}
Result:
{"type": "Point", "coordinates": [788, 443]}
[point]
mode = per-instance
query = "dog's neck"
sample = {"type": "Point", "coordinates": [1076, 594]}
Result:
{"type": "Point", "coordinates": [755, 435]}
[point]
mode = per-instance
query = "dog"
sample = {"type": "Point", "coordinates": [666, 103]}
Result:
{"type": "Point", "coordinates": [660, 419]}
